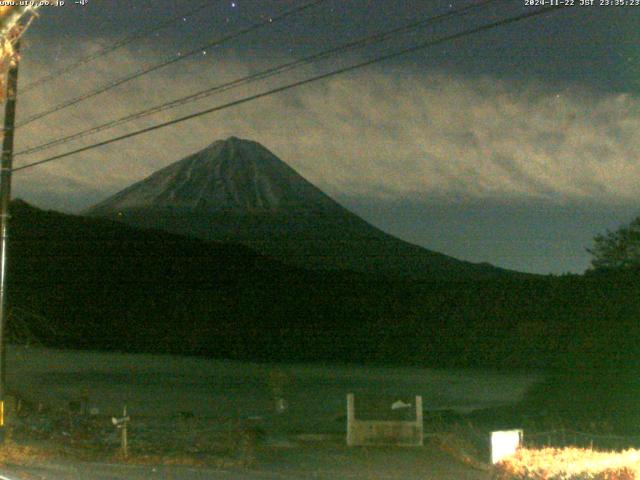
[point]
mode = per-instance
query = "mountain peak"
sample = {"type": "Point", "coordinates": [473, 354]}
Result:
{"type": "Point", "coordinates": [229, 175]}
{"type": "Point", "coordinates": [235, 142]}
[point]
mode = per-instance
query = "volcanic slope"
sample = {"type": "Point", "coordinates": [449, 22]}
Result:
{"type": "Point", "coordinates": [238, 191]}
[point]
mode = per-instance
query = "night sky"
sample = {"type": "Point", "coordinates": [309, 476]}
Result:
{"type": "Point", "coordinates": [514, 146]}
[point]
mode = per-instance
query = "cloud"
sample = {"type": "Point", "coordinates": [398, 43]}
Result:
{"type": "Point", "coordinates": [379, 133]}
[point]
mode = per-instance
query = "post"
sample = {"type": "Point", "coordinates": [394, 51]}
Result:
{"type": "Point", "coordinates": [351, 417]}
{"type": "Point", "coordinates": [419, 420]}
{"type": "Point", "coordinates": [125, 440]}
{"type": "Point", "coordinates": [121, 424]}
{"type": "Point", "coordinates": [5, 197]}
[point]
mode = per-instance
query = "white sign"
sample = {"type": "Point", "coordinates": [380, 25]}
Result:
{"type": "Point", "coordinates": [504, 444]}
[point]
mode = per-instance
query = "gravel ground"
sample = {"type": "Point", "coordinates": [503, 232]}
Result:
{"type": "Point", "coordinates": [311, 462]}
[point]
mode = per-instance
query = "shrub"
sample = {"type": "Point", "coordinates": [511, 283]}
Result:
{"type": "Point", "coordinates": [569, 464]}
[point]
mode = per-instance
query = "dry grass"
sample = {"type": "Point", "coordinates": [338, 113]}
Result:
{"type": "Point", "coordinates": [13, 453]}
{"type": "Point", "coordinates": [151, 459]}
{"type": "Point", "coordinates": [185, 460]}
{"type": "Point", "coordinates": [457, 446]}
{"type": "Point", "coordinates": [570, 464]}
{"type": "Point", "coordinates": [234, 450]}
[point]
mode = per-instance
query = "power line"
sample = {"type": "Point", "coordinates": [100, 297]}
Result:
{"type": "Point", "coordinates": [138, 35]}
{"type": "Point", "coordinates": [361, 42]}
{"type": "Point", "coordinates": [158, 66]}
{"type": "Point", "coordinates": [316, 78]}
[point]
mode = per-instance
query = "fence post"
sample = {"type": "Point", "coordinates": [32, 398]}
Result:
{"type": "Point", "coordinates": [350, 419]}
{"type": "Point", "coordinates": [419, 420]}
{"type": "Point", "coordinates": [125, 440]}
{"type": "Point", "coordinates": [121, 424]}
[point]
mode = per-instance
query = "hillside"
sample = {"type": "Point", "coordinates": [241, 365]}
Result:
{"type": "Point", "coordinates": [90, 283]}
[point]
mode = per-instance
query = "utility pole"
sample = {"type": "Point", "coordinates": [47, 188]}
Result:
{"type": "Point", "coordinates": [5, 197]}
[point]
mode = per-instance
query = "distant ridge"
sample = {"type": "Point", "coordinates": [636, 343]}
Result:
{"type": "Point", "coordinates": [236, 190]}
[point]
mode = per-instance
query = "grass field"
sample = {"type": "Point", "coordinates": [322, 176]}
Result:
{"type": "Point", "coordinates": [192, 408]}
{"type": "Point", "coordinates": [164, 386]}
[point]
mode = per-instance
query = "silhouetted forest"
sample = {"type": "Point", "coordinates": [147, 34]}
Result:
{"type": "Point", "coordinates": [94, 284]}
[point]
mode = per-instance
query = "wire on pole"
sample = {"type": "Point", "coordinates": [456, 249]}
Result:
{"type": "Point", "coordinates": [290, 86]}
{"type": "Point", "coordinates": [136, 36]}
{"type": "Point", "coordinates": [152, 68]}
{"type": "Point", "coordinates": [285, 67]}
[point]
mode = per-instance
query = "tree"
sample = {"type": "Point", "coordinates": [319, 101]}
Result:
{"type": "Point", "coordinates": [617, 250]}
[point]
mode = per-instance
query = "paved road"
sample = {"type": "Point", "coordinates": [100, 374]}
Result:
{"type": "Point", "coordinates": [295, 464]}
{"type": "Point", "coordinates": [122, 472]}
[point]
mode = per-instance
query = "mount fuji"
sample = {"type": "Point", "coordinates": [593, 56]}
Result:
{"type": "Point", "coordinates": [238, 191]}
